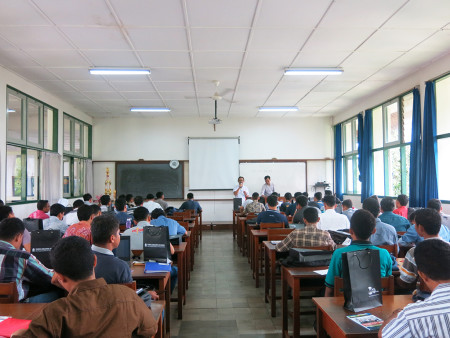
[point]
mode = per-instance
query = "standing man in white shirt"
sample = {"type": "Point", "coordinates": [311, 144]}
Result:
{"type": "Point", "coordinates": [268, 188]}
{"type": "Point", "coordinates": [330, 219]}
{"type": "Point", "coordinates": [241, 191]}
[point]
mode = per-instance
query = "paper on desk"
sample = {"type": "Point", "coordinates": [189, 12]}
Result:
{"type": "Point", "coordinates": [347, 241]}
{"type": "Point", "coordinates": [321, 272]}
{"type": "Point", "coordinates": [275, 242]}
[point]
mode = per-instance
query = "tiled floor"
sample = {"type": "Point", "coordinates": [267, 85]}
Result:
{"type": "Point", "coordinates": [222, 300]}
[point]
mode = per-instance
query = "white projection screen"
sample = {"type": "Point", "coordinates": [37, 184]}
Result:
{"type": "Point", "coordinates": [213, 163]}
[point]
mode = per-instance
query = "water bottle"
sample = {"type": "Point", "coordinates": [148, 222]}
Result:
{"type": "Point", "coordinates": [128, 223]}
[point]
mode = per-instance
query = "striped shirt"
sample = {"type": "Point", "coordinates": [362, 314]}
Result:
{"type": "Point", "coordinates": [430, 318]}
{"type": "Point", "coordinates": [308, 236]}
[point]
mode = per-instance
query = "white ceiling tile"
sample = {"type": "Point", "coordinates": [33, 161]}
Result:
{"type": "Point", "coordinates": [276, 60]}
{"type": "Point", "coordinates": [335, 86]}
{"type": "Point", "coordinates": [38, 37]}
{"type": "Point", "coordinates": [218, 59]}
{"type": "Point", "coordinates": [72, 73]}
{"type": "Point", "coordinates": [103, 95]}
{"type": "Point", "coordinates": [437, 43]}
{"type": "Point", "coordinates": [91, 85]}
{"type": "Point", "coordinates": [303, 112]}
{"type": "Point", "coordinates": [373, 59]}
{"type": "Point", "coordinates": [112, 58]}
{"type": "Point", "coordinates": [337, 39]}
{"type": "Point", "coordinates": [312, 57]}
{"type": "Point", "coordinates": [230, 13]}
{"type": "Point", "coordinates": [175, 86]}
{"type": "Point", "coordinates": [290, 39]}
{"type": "Point", "coordinates": [219, 39]}
{"type": "Point", "coordinates": [390, 73]}
{"type": "Point", "coordinates": [16, 58]}
{"type": "Point", "coordinates": [96, 37]}
{"type": "Point", "coordinates": [171, 74]}
{"type": "Point", "coordinates": [133, 86]}
{"type": "Point", "coordinates": [146, 103]}
{"type": "Point", "coordinates": [35, 73]}
{"type": "Point", "coordinates": [53, 86]}
{"type": "Point", "coordinates": [158, 39]}
{"type": "Point", "coordinates": [165, 59]}
{"type": "Point", "coordinates": [58, 58]}
{"type": "Point", "coordinates": [227, 77]}
{"type": "Point", "coordinates": [318, 99]}
{"type": "Point", "coordinates": [176, 95]}
{"type": "Point", "coordinates": [270, 113]}
{"type": "Point", "coordinates": [141, 95]}
{"type": "Point", "coordinates": [29, 16]}
{"type": "Point", "coordinates": [249, 75]}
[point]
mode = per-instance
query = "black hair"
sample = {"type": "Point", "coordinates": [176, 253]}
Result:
{"type": "Point", "coordinates": [190, 196]}
{"type": "Point", "coordinates": [77, 203]}
{"type": "Point", "coordinates": [305, 194]}
{"type": "Point", "coordinates": [375, 197]}
{"type": "Point", "coordinates": [362, 223]}
{"type": "Point", "coordinates": [387, 204]}
{"type": "Point", "coordinates": [241, 177]}
{"type": "Point", "coordinates": [5, 211]}
{"type": "Point", "coordinates": [298, 193]}
{"type": "Point", "coordinates": [41, 204]}
{"type": "Point", "coordinates": [434, 204]}
{"type": "Point", "coordinates": [105, 199]}
{"type": "Point", "coordinates": [412, 216]}
{"type": "Point", "coordinates": [157, 212]}
{"type": "Point", "coordinates": [87, 197]}
{"type": "Point", "coordinates": [372, 206]}
{"type": "Point", "coordinates": [122, 196]}
{"type": "Point", "coordinates": [272, 200]}
{"type": "Point", "coordinates": [266, 177]}
{"type": "Point", "coordinates": [311, 214]}
{"type": "Point", "coordinates": [138, 200]}
{"type": "Point", "coordinates": [302, 201]}
{"type": "Point", "coordinates": [429, 219]}
{"type": "Point", "coordinates": [347, 203]}
{"type": "Point", "coordinates": [56, 209]}
{"type": "Point", "coordinates": [84, 213]}
{"type": "Point", "coordinates": [103, 227]}
{"type": "Point", "coordinates": [129, 197]}
{"type": "Point", "coordinates": [328, 192]}
{"type": "Point", "coordinates": [318, 195]}
{"type": "Point", "coordinates": [95, 209]}
{"type": "Point", "coordinates": [150, 196]}
{"type": "Point", "coordinates": [72, 257]}
{"type": "Point", "coordinates": [275, 194]}
{"type": "Point", "coordinates": [255, 196]}
{"type": "Point", "coordinates": [329, 200]}
{"type": "Point", "coordinates": [262, 200]}
{"type": "Point", "coordinates": [402, 199]}
{"type": "Point", "coordinates": [288, 196]}
{"type": "Point", "coordinates": [140, 214]}
{"type": "Point", "coordinates": [432, 256]}
{"type": "Point", "coordinates": [10, 228]}
{"type": "Point", "coordinates": [120, 204]}
{"type": "Point", "coordinates": [159, 194]}
{"type": "Point", "coordinates": [2, 203]}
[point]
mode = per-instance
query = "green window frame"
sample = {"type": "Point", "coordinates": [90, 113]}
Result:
{"type": "Point", "coordinates": [350, 156]}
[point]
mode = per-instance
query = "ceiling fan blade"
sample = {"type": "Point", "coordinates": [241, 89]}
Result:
{"type": "Point", "coordinates": [229, 101]}
{"type": "Point", "coordinates": [226, 91]}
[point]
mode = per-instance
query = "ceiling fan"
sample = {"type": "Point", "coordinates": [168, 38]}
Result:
{"type": "Point", "coordinates": [216, 96]}
{"type": "Point", "coordinates": [215, 120]}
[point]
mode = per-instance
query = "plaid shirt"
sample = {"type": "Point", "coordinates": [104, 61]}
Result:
{"type": "Point", "coordinates": [308, 236]}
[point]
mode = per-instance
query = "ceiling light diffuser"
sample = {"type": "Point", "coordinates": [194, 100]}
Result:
{"type": "Point", "coordinates": [118, 71]}
{"type": "Point", "coordinates": [313, 71]}
{"type": "Point", "coordinates": [151, 109]}
{"type": "Point", "coordinates": [278, 108]}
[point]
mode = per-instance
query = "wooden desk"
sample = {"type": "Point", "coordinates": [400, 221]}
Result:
{"type": "Point", "coordinates": [189, 255]}
{"type": "Point", "coordinates": [240, 231]}
{"type": "Point", "coordinates": [234, 224]}
{"type": "Point", "coordinates": [180, 251]}
{"type": "Point", "coordinates": [157, 310]}
{"type": "Point", "coordinates": [270, 258]}
{"type": "Point", "coordinates": [293, 277]}
{"type": "Point", "coordinates": [331, 316]}
{"type": "Point", "coordinates": [258, 236]}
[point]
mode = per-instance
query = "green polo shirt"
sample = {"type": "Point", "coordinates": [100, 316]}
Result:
{"type": "Point", "coordinates": [335, 268]}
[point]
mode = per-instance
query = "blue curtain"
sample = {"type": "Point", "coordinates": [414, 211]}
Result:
{"type": "Point", "coordinates": [414, 167]}
{"type": "Point", "coordinates": [360, 137]}
{"type": "Point", "coordinates": [338, 160]}
{"type": "Point", "coordinates": [366, 158]}
{"type": "Point", "coordinates": [428, 186]}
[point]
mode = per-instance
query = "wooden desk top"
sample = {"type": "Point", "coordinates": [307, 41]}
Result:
{"type": "Point", "coordinates": [333, 308]}
{"type": "Point", "coordinates": [137, 272]}
{"type": "Point", "coordinates": [22, 310]}
{"type": "Point", "coordinates": [259, 233]}
{"type": "Point", "coordinates": [180, 248]}
{"type": "Point", "coordinates": [269, 245]}
{"type": "Point", "coordinates": [305, 271]}
{"type": "Point", "coordinates": [157, 308]}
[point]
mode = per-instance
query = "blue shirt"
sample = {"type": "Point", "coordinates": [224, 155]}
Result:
{"type": "Point", "coordinates": [385, 234]}
{"type": "Point", "coordinates": [191, 205]}
{"type": "Point", "coordinates": [400, 223]}
{"type": "Point", "coordinates": [174, 227]}
{"type": "Point", "coordinates": [291, 210]}
{"type": "Point", "coordinates": [411, 236]}
{"type": "Point", "coordinates": [335, 268]}
{"type": "Point", "coordinates": [271, 216]}
{"type": "Point", "coordinates": [123, 216]}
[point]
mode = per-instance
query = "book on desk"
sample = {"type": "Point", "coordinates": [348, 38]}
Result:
{"type": "Point", "coordinates": [155, 267]}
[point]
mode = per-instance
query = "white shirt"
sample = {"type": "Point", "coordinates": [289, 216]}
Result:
{"type": "Point", "coordinates": [136, 235]}
{"type": "Point", "coordinates": [151, 205]}
{"type": "Point", "coordinates": [267, 190]}
{"type": "Point", "coordinates": [330, 220]}
{"type": "Point", "coordinates": [240, 193]}
{"type": "Point", "coordinates": [71, 217]}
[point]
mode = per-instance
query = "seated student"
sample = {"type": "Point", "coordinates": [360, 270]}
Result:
{"type": "Point", "coordinates": [255, 206]}
{"type": "Point", "coordinates": [160, 200]}
{"type": "Point", "coordinates": [87, 198]}
{"type": "Point", "coordinates": [159, 219]}
{"type": "Point", "coordinates": [288, 201]}
{"type": "Point", "coordinates": [362, 226]}
{"type": "Point", "coordinates": [138, 201]}
{"type": "Point", "coordinates": [385, 234]}
{"type": "Point", "coordinates": [56, 222]}
{"type": "Point", "coordinates": [2, 203]}
{"type": "Point", "coordinates": [347, 209]}
{"type": "Point", "coordinates": [309, 235]}
{"type": "Point", "coordinates": [272, 215]}
{"type": "Point", "coordinates": [400, 223]}
{"type": "Point", "coordinates": [430, 317]}
{"type": "Point", "coordinates": [71, 217]}
{"type": "Point", "coordinates": [105, 203]}
{"type": "Point", "coordinates": [83, 228]}
{"type": "Point", "coordinates": [32, 278]}
{"type": "Point", "coordinates": [190, 204]}
{"type": "Point", "coordinates": [330, 220]}
{"type": "Point", "coordinates": [302, 202]}
{"type": "Point", "coordinates": [150, 203]}
{"type": "Point", "coordinates": [7, 212]}
{"type": "Point", "coordinates": [428, 224]}
{"type": "Point", "coordinates": [43, 207]}
{"type": "Point", "coordinates": [437, 205]}
{"type": "Point", "coordinates": [401, 204]}
{"type": "Point", "coordinates": [317, 201]}
{"type": "Point", "coordinates": [290, 211]}
{"type": "Point", "coordinates": [92, 308]}
{"type": "Point", "coordinates": [130, 201]}
{"type": "Point", "coordinates": [121, 213]}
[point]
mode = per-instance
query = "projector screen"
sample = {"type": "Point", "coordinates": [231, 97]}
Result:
{"type": "Point", "coordinates": [213, 163]}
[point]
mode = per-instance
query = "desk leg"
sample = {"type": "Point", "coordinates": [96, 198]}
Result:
{"type": "Point", "coordinates": [167, 299]}
{"type": "Point", "coordinates": [201, 226]}
{"type": "Point", "coordinates": [284, 297]}
{"type": "Point", "coordinates": [266, 275]}
{"type": "Point", "coordinates": [296, 300]}
{"type": "Point", "coordinates": [180, 259]}
{"type": "Point", "coordinates": [188, 262]}
{"type": "Point", "coordinates": [185, 268]}
{"type": "Point", "coordinates": [257, 257]}
{"type": "Point", "coordinates": [234, 225]}
{"type": "Point", "coordinates": [321, 333]}
{"type": "Point", "coordinates": [273, 291]}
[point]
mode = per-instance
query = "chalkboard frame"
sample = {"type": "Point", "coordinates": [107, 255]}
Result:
{"type": "Point", "coordinates": [117, 163]}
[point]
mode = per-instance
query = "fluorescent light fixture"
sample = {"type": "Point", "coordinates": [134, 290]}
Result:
{"type": "Point", "coordinates": [313, 71]}
{"type": "Point", "coordinates": [119, 71]}
{"type": "Point", "coordinates": [10, 111]}
{"type": "Point", "coordinates": [278, 109]}
{"type": "Point", "coordinates": [151, 110]}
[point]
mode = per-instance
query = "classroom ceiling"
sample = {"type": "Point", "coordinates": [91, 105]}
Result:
{"type": "Point", "coordinates": [244, 44]}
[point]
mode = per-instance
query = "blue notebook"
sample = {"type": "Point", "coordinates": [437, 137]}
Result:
{"type": "Point", "coordinates": [153, 267]}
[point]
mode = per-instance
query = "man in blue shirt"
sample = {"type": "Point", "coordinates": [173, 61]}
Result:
{"type": "Point", "coordinates": [362, 226]}
{"type": "Point", "coordinates": [121, 213]}
{"type": "Point", "coordinates": [190, 204]}
{"type": "Point", "coordinates": [400, 223]}
{"type": "Point", "coordinates": [159, 219]}
{"type": "Point", "coordinates": [385, 234]}
{"type": "Point", "coordinates": [272, 215]}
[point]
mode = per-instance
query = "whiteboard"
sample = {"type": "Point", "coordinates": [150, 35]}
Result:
{"type": "Point", "coordinates": [286, 176]}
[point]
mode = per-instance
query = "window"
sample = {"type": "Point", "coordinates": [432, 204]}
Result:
{"type": "Point", "coordinates": [77, 148]}
{"type": "Point", "coordinates": [31, 129]}
{"type": "Point", "coordinates": [442, 87]}
{"type": "Point", "coordinates": [352, 185]}
{"type": "Point", "coordinates": [392, 125]}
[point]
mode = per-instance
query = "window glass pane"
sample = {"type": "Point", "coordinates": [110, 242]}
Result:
{"type": "Point", "coordinates": [14, 117]}
{"type": "Point", "coordinates": [349, 176]}
{"type": "Point", "coordinates": [394, 172]}
{"type": "Point", "coordinates": [81, 176]}
{"type": "Point", "coordinates": [76, 177]}
{"type": "Point", "coordinates": [392, 121]}
{"type": "Point", "coordinates": [77, 138]}
{"type": "Point", "coordinates": [443, 107]}
{"type": "Point", "coordinates": [355, 135]}
{"type": "Point", "coordinates": [347, 137]}
{"type": "Point", "coordinates": [443, 165]}
{"type": "Point", "coordinates": [407, 117]}
{"type": "Point", "coordinates": [86, 141]}
{"type": "Point", "coordinates": [377, 121]}
{"type": "Point", "coordinates": [66, 178]}
{"type": "Point", "coordinates": [406, 174]}
{"type": "Point", "coordinates": [378, 173]}
{"type": "Point", "coordinates": [32, 174]}
{"type": "Point", "coordinates": [13, 174]}
{"type": "Point", "coordinates": [33, 110]}
{"type": "Point", "coordinates": [67, 134]}
{"type": "Point", "coordinates": [48, 128]}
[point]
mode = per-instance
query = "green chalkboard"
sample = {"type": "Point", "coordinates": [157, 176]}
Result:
{"type": "Point", "coordinates": [142, 178]}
